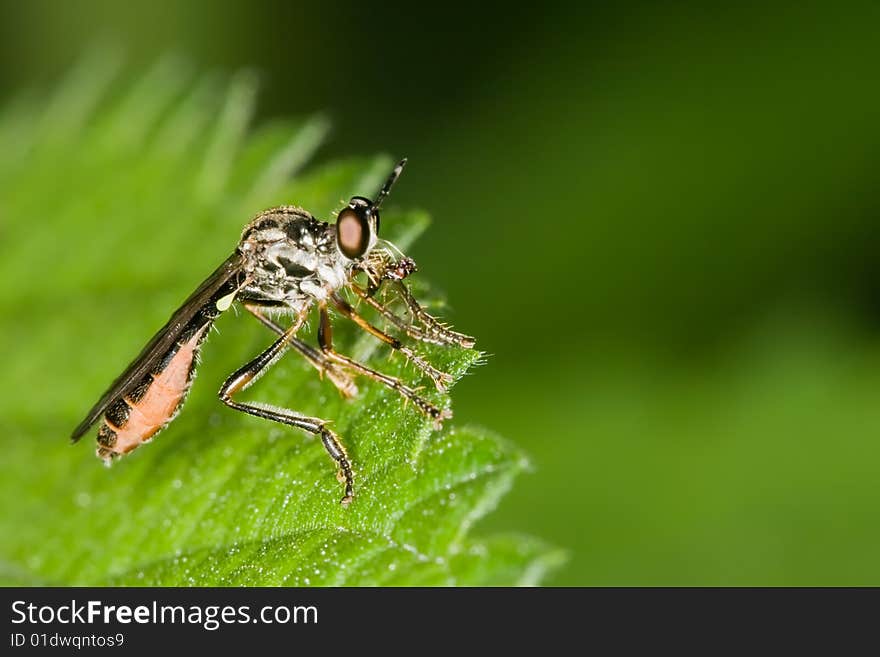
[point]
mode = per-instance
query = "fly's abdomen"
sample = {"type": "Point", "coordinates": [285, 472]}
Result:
{"type": "Point", "coordinates": [149, 406]}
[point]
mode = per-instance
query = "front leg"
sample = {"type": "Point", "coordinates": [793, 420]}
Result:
{"type": "Point", "coordinates": [441, 379]}
{"type": "Point", "coordinates": [325, 339]}
{"type": "Point", "coordinates": [432, 326]}
{"type": "Point", "coordinates": [431, 331]}
{"type": "Point", "coordinates": [246, 375]}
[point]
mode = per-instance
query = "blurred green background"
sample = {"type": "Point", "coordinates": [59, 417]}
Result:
{"type": "Point", "coordinates": [660, 220]}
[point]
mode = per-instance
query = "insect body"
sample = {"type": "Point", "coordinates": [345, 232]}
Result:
{"type": "Point", "coordinates": [286, 263]}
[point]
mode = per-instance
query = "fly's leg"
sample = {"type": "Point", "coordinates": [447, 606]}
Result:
{"type": "Point", "coordinates": [412, 331]}
{"type": "Point", "coordinates": [325, 338]}
{"type": "Point", "coordinates": [319, 361]}
{"type": "Point", "coordinates": [441, 379]}
{"type": "Point", "coordinates": [430, 323]}
{"type": "Point", "coordinates": [247, 374]}
{"type": "Point", "coordinates": [431, 330]}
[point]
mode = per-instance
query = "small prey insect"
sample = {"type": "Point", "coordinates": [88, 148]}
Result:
{"type": "Point", "coordinates": [286, 263]}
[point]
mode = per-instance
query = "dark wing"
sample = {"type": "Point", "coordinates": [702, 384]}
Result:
{"type": "Point", "coordinates": [159, 345]}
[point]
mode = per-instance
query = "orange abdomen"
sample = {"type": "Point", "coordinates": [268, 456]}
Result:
{"type": "Point", "coordinates": [137, 417]}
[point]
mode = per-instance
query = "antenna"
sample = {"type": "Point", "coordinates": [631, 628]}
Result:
{"type": "Point", "coordinates": [386, 188]}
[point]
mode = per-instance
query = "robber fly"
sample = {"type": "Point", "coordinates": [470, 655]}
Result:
{"type": "Point", "coordinates": [286, 263]}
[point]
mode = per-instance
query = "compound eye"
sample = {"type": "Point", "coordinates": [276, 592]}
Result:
{"type": "Point", "coordinates": [352, 233]}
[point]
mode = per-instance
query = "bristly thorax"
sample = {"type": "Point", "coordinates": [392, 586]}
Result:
{"type": "Point", "coordinates": [291, 259]}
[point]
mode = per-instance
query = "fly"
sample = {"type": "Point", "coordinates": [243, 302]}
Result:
{"type": "Point", "coordinates": [286, 262]}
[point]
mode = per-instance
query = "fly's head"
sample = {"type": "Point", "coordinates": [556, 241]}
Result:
{"type": "Point", "coordinates": [357, 229]}
{"type": "Point", "coordinates": [357, 237]}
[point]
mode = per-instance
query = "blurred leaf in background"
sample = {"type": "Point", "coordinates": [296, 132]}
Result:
{"type": "Point", "coordinates": [671, 214]}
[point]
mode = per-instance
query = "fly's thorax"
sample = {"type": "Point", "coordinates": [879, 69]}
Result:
{"type": "Point", "coordinates": [291, 258]}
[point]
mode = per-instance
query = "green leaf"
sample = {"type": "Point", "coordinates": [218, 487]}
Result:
{"type": "Point", "coordinates": [110, 214]}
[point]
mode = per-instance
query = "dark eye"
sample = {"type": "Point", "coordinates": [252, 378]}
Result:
{"type": "Point", "coordinates": [352, 233]}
